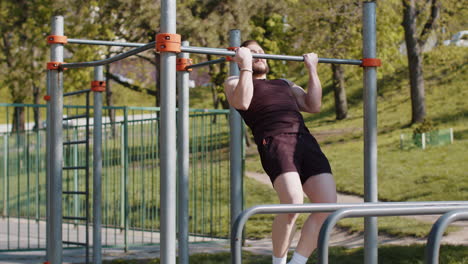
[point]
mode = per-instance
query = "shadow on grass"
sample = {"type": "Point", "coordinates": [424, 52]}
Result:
{"type": "Point", "coordinates": [413, 254]}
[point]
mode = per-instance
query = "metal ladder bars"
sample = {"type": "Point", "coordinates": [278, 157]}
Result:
{"type": "Point", "coordinates": [84, 168]}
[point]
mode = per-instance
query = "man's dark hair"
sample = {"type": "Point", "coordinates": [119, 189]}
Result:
{"type": "Point", "coordinates": [248, 42]}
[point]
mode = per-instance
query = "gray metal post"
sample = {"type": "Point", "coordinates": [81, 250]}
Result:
{"type": "Point", "coordinates": [437, 231]}
{"type": "Point", "coordinates": [48, 169]}
{"type": "Point", "coordinates": [76, 198]}
{"type": "Point", "coordinates": [183, 160]}
{"type": "Point", "coordinates": [168, 139]}
{"type": "Point", "coordinates": [5, 168]}
{"type": "Point", "coordinates": [235, 141]}
{"type": "Point", "coordinates": [56, 145]}
{"type": "Point", "coordinates": [370, 132]}
{"type": "Point", "coordinates": [122, 176]}
{"type": "Point", "coordinates": [97, 168]}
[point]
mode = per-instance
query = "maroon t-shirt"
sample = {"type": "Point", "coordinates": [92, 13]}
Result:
{"type": "Point", "coordinates": [273, 110]}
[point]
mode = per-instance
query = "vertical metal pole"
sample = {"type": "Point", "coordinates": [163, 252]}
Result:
{"type": "Point", "coordinates": [168, 139]}
{"type": "Point", "coordinates": [235, 142]}
{"type": "Point", "coordinates": [56, 147]}
{"type": "Point", "coordinates": [5, 169]}
{"type": "Point", "coordinates": [97, 168]}
{"type": "Point", "coordinates": [76, 198]}
{"type": "Point", "coordinates": [48, 169]}
{"type": "Point", "coordinates": [370, 132]}
{"type": "Point", "coordinates": [125, 182]}
{"type": "Point", "coordinates": [183, 160]}
{"type": "Point", "coordinates": [122, 176]}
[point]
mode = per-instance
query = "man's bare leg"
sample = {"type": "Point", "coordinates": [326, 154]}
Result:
{"type": "Point", "coordinates": [289, 189]}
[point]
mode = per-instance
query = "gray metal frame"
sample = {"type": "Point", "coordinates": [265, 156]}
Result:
{"type": "Point", "coordinates": [437, 231]}
{"type": "Point", "coordinates": [168, 132]}
{"type": "Point", "coordinates": [235, 142]}
{"type": "Point", "coordinates": [55, 141]}
{"type": "Point", "coordinates": [97, 169]}
{"type": "Point", "coordinates": [168, 121]}
{"type": "Point", "coordinates": [238, 227]}
{"type": "Point", "coordinates": [183, 159]}
{"type": "Point", "coordinates": [404, 209]}
{"type": "Point", "coordinates": [370, 130]}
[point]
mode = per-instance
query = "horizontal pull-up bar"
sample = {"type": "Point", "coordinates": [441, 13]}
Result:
{"type": "Point", "coordinates": [109, 60]}
{"type": "Point", "coordinates": [224, 52]}
{"type": "Point", "coordinates": [105, 43]}
{"type": "Point", "coordinates": [188, 49]}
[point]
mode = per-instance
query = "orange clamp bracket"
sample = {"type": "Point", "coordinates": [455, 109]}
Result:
{"type": "Point", "coordinates": [53, 65]}
{"type": "Point", "coordinates": [166, 42]}
{"type": "Point", "coordinates": [54, 39]}
{"type": "Point", "coordinates": [371, 62]}
{"type": "Point", "coordinates": [229, 58]}
{"type": "Point", "coordinates": [182, 63]}
{"type": "Point", "coordinates": [47, 97]}
{"type": "Point", "coordinates": [98, 86]}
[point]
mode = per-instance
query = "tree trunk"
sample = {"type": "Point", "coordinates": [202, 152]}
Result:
{"type": "Point", "coordinates": [415, 66]}
{"type": "Point", "coordinates": [18, 119]}
{"type": "Point", "coordinates": [110, 101]}
{"type": "Point", "coordinates": [37, 113]}
{"type": "Point", "coordinates": [341, 104]}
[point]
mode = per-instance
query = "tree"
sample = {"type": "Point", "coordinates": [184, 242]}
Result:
{"type": "Point", "coordinates": [331, 29]}
{"type": "Point", "coordinates": [414, 42]}
{"type": "Point", "coordinates": [22, 32]}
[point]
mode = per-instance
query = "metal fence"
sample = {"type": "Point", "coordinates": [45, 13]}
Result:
{"type": "Point", "coordinates": [130, 176]}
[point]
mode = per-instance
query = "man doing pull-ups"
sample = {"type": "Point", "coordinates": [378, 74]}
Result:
{"type": "Point", "coordinates": [289, 153]}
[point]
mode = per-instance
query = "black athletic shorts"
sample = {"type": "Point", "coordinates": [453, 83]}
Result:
{"type": "Point", "coordinates": [292, 152]}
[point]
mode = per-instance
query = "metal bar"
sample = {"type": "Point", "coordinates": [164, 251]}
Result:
{"type": "Point", "coordinates": [125, 189]}
{"type": "Point", "coordinates": [74, 192]}
{"type": "Point", "coordinates": [201, 64]}
{"type": "Point", "coordinates": [104, 43]}
{"type": "Point", "coordinates": [5, 168]}
{"type": "Point", "coordinates": [56, 147]}
{"type": "Point", "coordinates": [183, 161]}
{"type": "Point", "coordinates": [75, 168]}
{"type": "Point", "coordinates": [74, 243]}
{"type": "Point", "coordinates": [87, 179]}
{"type": "Point", "coordinates": [74, 117]}
{"type": "Point", "coordinates": [75, 142]}
{"type": "Point", "coordinates": [238, 226]}
{"type": "Point", "coordinates": [48, 168]}
{"type": "Point", "coordinates": [76, 200]}
{"type": "Point", "coordinates": [370, 132]}
{"type": "Point", "coordinates": [168, 139]}
{"type": "Point", "coordinates": [235, 142]}
{"type": "Point", "coordinates": [75, 218]}
{"type": "Point", "coordinates": [331, 221]}
{"type": "Point", "coordinates": [437, 231]}
{"type": "Point", "coordinates": [76, 92]}
{"type": "Point", "coordinates": [111, 59]}
{"type": "Point", "coordinates": [97, 169]}
{"type": "Point", "coordinates": [221, 52]}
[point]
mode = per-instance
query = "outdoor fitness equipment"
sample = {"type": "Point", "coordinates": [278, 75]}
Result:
{"type": "Point", "coordinates": [168, 44]}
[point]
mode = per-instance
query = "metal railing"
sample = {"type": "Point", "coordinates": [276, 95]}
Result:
{"type": "Point", "coordinates": [130, 176]}
{"type": "Point", "coordinates": [338, 211]}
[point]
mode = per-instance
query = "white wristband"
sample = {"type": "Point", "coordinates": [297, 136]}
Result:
{"type": "Point", "coordinates": [245, 69]}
